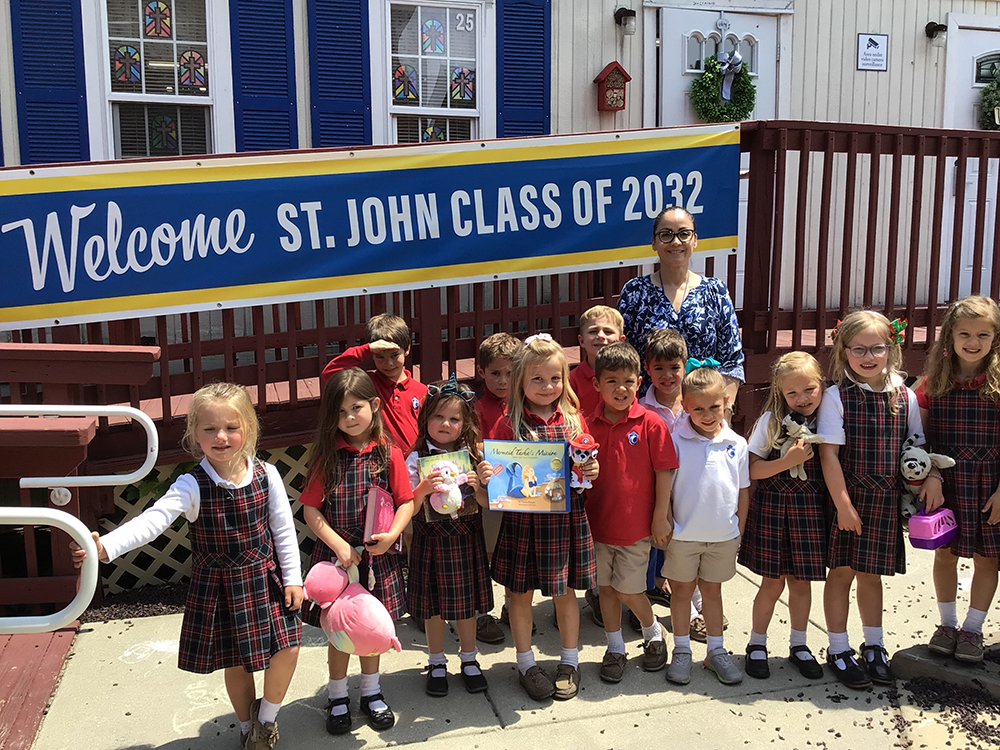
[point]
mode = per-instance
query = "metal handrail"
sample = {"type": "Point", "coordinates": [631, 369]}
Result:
{"type": "Point", "coordinates": [88, 574]}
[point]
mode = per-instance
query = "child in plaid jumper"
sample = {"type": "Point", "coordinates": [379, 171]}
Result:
{"type": "Point", "coordinates": [786, 532]}
{"type": "Point", "coordinates": [864, 419]}
{"type": "Point", "coordinates": [246, 581]}
{"type": "Point", "coordinates": [352, 454]}
{"type": "Point", "coordinates": [553, 552]}
{"type": "Point", "coordinates": [959, 405]}
{"type": "Point", "coordinates": [449, 575]}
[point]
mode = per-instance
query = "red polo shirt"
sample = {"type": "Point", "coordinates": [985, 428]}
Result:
{"type": "Point", "coordinates": [400, 401]}
{"type": "Point", "coordinates": [505, 431]}
{"type": "Point", "coordinates": [924, 401]}
{"type": "Point", "coordinates": [620, 505]}
{"type": "Point", "coordinates": [399, 478]}
{"type": "Point", "coordinates": [489, 409]}
{"type": "Point", "coordinates": [581, 378]}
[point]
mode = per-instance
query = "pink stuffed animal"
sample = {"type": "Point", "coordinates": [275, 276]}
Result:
{"type": "Point", "coordinates": [355, 622]}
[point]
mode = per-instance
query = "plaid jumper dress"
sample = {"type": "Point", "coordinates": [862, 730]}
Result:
{"type": "Point", "coordinates": [967, 428]}
{"type": "Point", "coordinates": [344, 509]}
{"type": "Point", "coordinates": [235, 613]}
{"type": "Point", "coordinates": [552, 552]}
{"type": "Point", "coordinates": [787, 529]}
{"type": "Point", "coordinates": [870, 460]}
{"type": "Point", "coordinates": [449, 572]}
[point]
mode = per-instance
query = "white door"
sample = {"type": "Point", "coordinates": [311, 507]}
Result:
{"type": "Point", "coordinates": [686, 38]}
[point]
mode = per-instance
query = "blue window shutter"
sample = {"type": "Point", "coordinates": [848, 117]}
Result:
{"type": "Point", "coordinates": [50, 81]}
{"type": "Point", "coordinates": [340, 74]}
{"type": "Point", "coordinates": [524, 53]}
{"type": "Point", "coordinates": [263, 47]}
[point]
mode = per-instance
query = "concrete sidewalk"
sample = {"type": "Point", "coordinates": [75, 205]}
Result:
{"type": "Point", "coordinates": [122, 689]}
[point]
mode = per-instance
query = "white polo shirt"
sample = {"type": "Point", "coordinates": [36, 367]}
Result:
{"type": "Point", "coordinates": [650, 403]}
{"type": "Point", "coordinates": [707, 483]}
{"type": "Point", "coordinates": [830, 423]}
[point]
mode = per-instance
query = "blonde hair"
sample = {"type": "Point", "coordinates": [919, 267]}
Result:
{"type": "Point", "coordinates": [236, 398]}
{"type": "Point", "coordinates": [602, 312]}
{"type": "Point", "coordinates": [854, 324]}
{"type": "Point", "coordinates": [792, 363]}
{"type": "Point", "coordinates": [940, 367]}
{"type": "Point", "coordinates": [702, 379]}
{"type": "Point", "coordinates": [531, 355]}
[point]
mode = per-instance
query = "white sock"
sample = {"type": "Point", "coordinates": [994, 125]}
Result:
{"type": "Point", "coordinates": [616, 644]}
{"type": "Point", "coordinates": [369, 686]}
{"type": "Point", "coordinates": [245, 727]}
{"type": "Point", "coordinates": [714, 642]}
{"type": "Point", "coordinates": [682, 641]}
{"type": "Point", "coordinates": [570, 656]}
{"type": "Point", "coordinates": [873, 637]}
{"type": "Point", "coordinates": [696, 599]}
{"type": "Point", "coordinates": [798, 638]}
{"type": "Point", "coordinates": [438, 663]}
{"type": "Point", "coordinates": [525, 660]}
{"type": "Point", "coordinates": [839, 643]}
{"type": "Point", "coordinates": [653, 633]}
{"type": "Point", "coordinates": [756, 639]}
{"type": "Point", "coordinates": [469, 656]}
{"type": "Point", "coordinates": [337, 689]}
{"type": "Point", "coordinates": [268, 711]}
{"type": "Point", "coordinates": [949, 614]}
{"type": "Point", "coordinates": [974, 621]}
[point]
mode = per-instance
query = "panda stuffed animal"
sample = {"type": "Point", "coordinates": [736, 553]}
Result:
{"type": "Point", "coordinates": [915, 464]}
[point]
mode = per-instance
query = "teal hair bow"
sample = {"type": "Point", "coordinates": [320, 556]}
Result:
{"type": "Point", "coordinates": [694, 364]}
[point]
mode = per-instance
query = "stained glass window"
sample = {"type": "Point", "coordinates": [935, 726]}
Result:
{"type": "Point", "coordinates": [157, 20]}
{"type": "Point", "coordinates": [161, 130]}
{"type": "Point", "coordinates": [404, 83]}
{"type": "Point", "coordinates": [192, 68]}
{"type": "Point", "coordinates": [411, 129]}
{"type": "Point", "coordinates": [432, 37]}
{"type": "Point", "coordinates": [463, 84]}
{"type": "Point", "coordinates": [126, 64]}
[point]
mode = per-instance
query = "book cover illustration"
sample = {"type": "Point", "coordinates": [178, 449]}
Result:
{"type": "Point", "coordinates": [528, 477]}
{"type": "Point", "coordinates": [459, 498]}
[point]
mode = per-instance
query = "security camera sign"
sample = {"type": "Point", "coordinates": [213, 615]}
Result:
{"type": "Point", "coordinates": [873, 51]}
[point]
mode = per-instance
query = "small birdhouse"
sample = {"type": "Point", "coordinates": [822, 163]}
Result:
{"type": "Point", "coordinates": [611, 87]}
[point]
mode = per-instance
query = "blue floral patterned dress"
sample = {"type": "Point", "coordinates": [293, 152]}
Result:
{"type": "Point", "coordinates": [706, 320]}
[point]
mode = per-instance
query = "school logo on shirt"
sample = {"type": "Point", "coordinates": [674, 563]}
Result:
{"type": "Point", "coordinates": [633, 437]}
{"type": "Point", "coordinates": [731, 450]}
{"type": "Point", "coordinates": [416, 404]}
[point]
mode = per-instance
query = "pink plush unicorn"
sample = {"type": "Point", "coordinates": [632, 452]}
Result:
{"type": "Point", "coordinates": [355, 622]}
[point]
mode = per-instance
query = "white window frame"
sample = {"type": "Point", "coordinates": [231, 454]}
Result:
{"type": "Point", "coordinates": [383, 120]}
{"type": "Point", "coordinates": [101, 100]}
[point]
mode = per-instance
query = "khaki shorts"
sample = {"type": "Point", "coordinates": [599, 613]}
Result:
{"type": "Point", "coordinates": [623, 568]}
{"type": "Point", "coordinates": [711, 561]}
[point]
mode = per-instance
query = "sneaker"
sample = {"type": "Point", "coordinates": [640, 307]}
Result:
{"type": "Point", "coordinates": [970, 647]}
{"type": "Point", "coordinates": [658, 596]}
{"type": "Point", "coordinates": [851, 674]}
{"type": "Point", "coordinates": [613, 666]}
{"type": "Point", "coordinates": [474, 679]}
{"type": "Point", "coordinates": [877, 666]}
{"type": "Point", "coordinates": [567, 683]}
{"type": "Point", "coordinates": [341, 723]}
{"type": "Point", "coordinates": [700, 633]}
{"type": "Point", "coordinates": [262, 736]}
{"type": "Point", "coordinates": [243, 739]}
{"type": "Point", "coordinates": [633, 622]}
{"type": "Point", "coordinates": [505, 619]}
{"type": "Point", "coordinates": [537, 684]}
{"type": "Point", "coordinates": [757, 668]}
{"type": "Point", "coordinates": [488, 630]}
{"type": "Point", "coordinates": [378, 719]}
{"type": "Point", "coordinates": [437, 680]}
{"type": "Point", "coordinates": [808, 667]}
{"type": "Point", "coordinates": [719, 661]}
{"type": "Point", "coordinates": [594, 600]}
{"type": "Point", "coordinates": [679, 671]}
{"type": "Point", "coordinates": [654, 655]}
{"type": "Point", "coordinates": [944, 641]}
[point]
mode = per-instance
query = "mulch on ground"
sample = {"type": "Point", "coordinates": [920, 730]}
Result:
{"type": "Point", "coordinates": [147, 601]}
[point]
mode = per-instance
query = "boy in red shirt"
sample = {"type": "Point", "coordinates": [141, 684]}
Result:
{"type": "Point", "coordinates": [629, 504]}
{"type": "Point", "coordinates": [401, 395]}
{"type": "Point", "coordinates": [600, 325]}
{"type": "Point", "coordinates": [494, 365]}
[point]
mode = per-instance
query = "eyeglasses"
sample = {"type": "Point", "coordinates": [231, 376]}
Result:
{"type": "Point", "coordinates": [666, 236]}
{"type": "Point", "coordinates": [461, 391]}
{"type": "Point", "coordinates": [879, 350]}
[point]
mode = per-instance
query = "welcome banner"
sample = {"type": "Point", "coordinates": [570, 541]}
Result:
{"type": "Point", "coordinates": [90, 242]}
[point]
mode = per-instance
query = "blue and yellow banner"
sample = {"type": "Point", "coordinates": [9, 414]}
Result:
{"type": "Point", "coordinates": [102, 241]}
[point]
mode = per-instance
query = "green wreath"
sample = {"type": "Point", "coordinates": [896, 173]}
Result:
{"type": "Point", "coordinates": [989, 99]}
{"type": "Point", "coordinates": [706, 95]}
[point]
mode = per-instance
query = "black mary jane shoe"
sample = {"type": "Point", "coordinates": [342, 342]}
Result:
{"type": "Point", "coordinates": [877, 668]}
{"type": "Point", "coordinates": [474, 683]}
{"type": "Point", "coordinates": [809, 668]}
{"type": "Point", "coordinates": [437, 686]}
{"type": "Point", "coordinates": [380, 719]}
{"type": "Point", "coordinates": [757, 668]}
{"type": "Point", "coordinates": [852, 675]}
{"type": "Point", "coordinates": [341, 723]}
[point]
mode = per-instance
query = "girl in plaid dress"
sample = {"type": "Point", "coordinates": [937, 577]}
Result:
{"type": "Point", "coordinates": [958, 403]}
{"type": "Point", "coordinates": [352, 454]}
{"type": "Point", "coordinates": [864, 418]}
{"type": "Point", "coordinates": [449, 575]}
{"type": "Point", "coordinates": [552, 552]}
{"type": "Point", "coordinates": [786, 531]}
{"type": "Point", "coordinates": [246, 581]}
